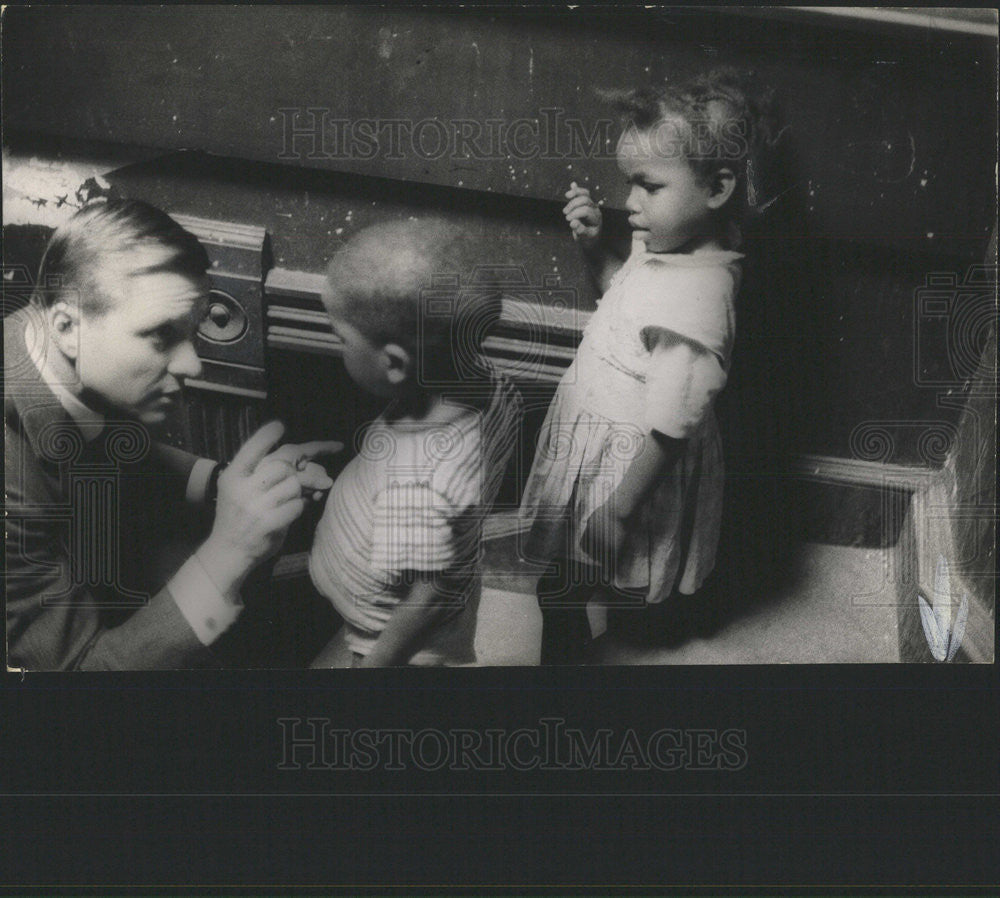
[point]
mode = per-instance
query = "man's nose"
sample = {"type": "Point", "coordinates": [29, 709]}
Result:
{"type": "Point", "coordinates": [632, 203]}
{"type": "Point", "coordinates": [185, 362]}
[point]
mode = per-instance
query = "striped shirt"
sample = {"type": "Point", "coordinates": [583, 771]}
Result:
{"type": "Point", "coordinates": [414, 499]}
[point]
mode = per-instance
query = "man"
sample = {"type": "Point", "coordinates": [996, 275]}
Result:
{"type": "Point", "coordinates": [93, 366]}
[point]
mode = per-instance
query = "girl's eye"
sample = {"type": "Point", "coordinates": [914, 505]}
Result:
{"type": "Point", "coordinates": [644, 185]}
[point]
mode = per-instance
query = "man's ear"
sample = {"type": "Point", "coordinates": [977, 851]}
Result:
{"type": "Point", "coordinates": [398, 363]}
{"type": "Point", "coordinates": [722, 185]}
{"type": "Point", "coordinates": [63, 322]}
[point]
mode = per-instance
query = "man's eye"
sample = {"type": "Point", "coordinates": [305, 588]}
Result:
{"type": "Point", "coordinates": [165, 335]}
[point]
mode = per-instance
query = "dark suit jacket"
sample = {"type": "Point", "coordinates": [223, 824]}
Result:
{"type": "Point", "coordinates": [81, 520]}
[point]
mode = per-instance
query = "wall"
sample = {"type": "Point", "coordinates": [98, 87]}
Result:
{"type": "Point", "coordinates": [874, 118]}
{"type": "Point", "coordinates": [889, 174]}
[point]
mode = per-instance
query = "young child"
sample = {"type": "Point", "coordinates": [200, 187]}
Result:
{"type": "Point", "coordinates": [625, 495]}
{"type": "Point", "coordinates": [397, 548]}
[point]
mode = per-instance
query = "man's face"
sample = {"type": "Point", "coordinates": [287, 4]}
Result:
{"type": "Point", "coordinates": [134, 357]}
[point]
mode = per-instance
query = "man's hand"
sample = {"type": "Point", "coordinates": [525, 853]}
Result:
{"type": "Point", "coordinates": [312, 478]}
{"type": "Point", "coordinates": [583, 215]}
{"type": "Point", "coordinates": [260, 495]}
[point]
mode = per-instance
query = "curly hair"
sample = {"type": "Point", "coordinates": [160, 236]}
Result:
{"type": "Point", "coordinates": [729, 120]}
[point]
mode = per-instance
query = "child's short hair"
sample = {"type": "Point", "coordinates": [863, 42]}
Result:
{"type": "Point", "coordinates": [731, 120]}
{"type": "Point", "coordinates": [134, 236]}
{"type": "Point", "coordinates": [408, 282]}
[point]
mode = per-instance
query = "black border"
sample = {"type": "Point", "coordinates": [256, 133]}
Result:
{"type": "Point", "coordinates": [883, 779]}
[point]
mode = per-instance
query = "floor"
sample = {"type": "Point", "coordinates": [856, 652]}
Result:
{"type": "Point", "coordinates": [838, 605]}
{"type": "Point", "coordinates": [837, 608]}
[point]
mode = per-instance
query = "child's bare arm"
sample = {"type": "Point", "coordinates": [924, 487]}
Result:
{"type": "Point", "coordinates": [585, 221]}
{"type": "Point", "coordinates": [431, 599]}
{"type": "Point", "coordinates": [608, 525]}
{"type": "Point", "coordinates": [336, 653]}
{"type": "Point", "coordinates": [658, 454]}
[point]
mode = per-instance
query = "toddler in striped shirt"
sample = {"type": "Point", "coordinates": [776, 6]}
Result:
{"type": "Point", "coordinates": [397, 548]}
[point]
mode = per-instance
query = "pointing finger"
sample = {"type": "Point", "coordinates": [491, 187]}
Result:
{"type": "Point", "coordinates": [255, 448]}
{"type": "Point", "coordinates": [317, 447]}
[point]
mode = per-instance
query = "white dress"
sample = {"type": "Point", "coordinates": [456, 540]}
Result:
{"type": "Point", "coordinates": [653, 357]}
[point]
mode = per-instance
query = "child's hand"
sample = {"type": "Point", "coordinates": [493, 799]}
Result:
{"type": "Point", "coordinates": [583, 215]}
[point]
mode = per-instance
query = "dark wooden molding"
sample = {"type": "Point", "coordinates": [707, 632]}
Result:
{"type": "Point", "coordinates": [860, 472]}
{"type": "Point", "coordinates": [534, 343]}
{"type": "Point", "coordinates": [226, 400]}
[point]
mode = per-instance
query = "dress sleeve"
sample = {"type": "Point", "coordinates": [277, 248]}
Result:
{"type": "Point", "coordinates": [687, 324]}
{"type": "Point", "coordinates": [413, 530]}
{"type": "Point", "coordinates": [682, 382]}
{"type": "Point", "coordinates": [696, 303]}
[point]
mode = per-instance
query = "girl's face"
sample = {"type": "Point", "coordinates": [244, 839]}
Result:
{"type": "Point", "coordinates": [668, 208]}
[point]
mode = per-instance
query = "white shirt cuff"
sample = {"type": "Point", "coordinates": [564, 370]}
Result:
{"type": "Point", "coordinates": [198, 480]}
{"type": "Point", "coordinates": [209, 612]}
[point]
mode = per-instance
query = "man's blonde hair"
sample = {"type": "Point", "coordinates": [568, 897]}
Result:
{"type": "Point", "coordinates": [113, 238]}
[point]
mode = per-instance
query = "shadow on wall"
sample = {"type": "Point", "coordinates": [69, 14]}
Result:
{"type": "Point", "coordinates": [23, 247]}
{"type": "Point", "coordinates": [764, 410]}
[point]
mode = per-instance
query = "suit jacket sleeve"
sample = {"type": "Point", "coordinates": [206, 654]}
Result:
{"type": "Point", "coordinates": [54, 623]}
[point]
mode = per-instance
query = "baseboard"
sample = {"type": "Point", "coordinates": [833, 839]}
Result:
{"type": "Point", "coordinates": [859, 472]}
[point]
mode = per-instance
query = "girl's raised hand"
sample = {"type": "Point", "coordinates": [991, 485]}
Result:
{"type": "Point", "coordinates": [583, 214]}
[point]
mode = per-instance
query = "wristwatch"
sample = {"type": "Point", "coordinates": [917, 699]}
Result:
{"type": "Point", "coordinates": [212, 487]}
